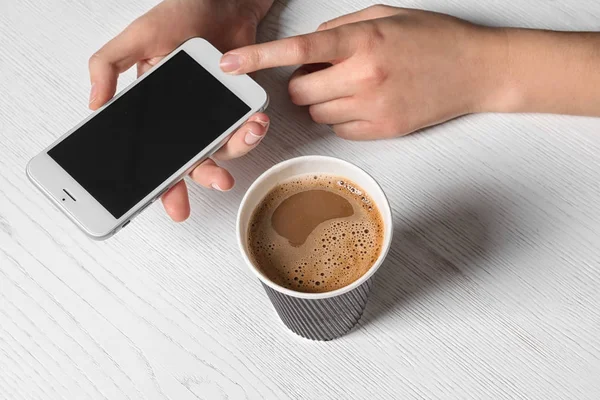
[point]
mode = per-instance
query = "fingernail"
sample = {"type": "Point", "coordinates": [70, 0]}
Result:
{"type": "Point", "coordinates": [217, 187]}
{"type": "Point", "coordinates": [230, 62]}
{"type": "Point", "coordinates": [93, 93]}
{"type": "Point", "coordinates": [252, 138]}
{"type": "Point", "coordinates": [262, 122]}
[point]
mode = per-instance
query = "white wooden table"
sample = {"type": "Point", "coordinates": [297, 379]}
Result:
{"type": "Point", "coordinates": [492, 288]}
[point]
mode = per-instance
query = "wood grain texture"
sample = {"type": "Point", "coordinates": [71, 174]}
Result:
{"type": "Point", "coordinates": [491, 290]}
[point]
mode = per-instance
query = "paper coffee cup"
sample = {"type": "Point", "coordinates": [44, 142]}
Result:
{"type": "Point", "coordinates": [317, 316]}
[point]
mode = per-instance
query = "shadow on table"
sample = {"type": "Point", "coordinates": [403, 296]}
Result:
{"type": "Point", "coordinates": [442, 245]}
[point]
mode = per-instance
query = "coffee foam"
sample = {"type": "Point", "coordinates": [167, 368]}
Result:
{"type": "Point", "coordinates": [336, 253]}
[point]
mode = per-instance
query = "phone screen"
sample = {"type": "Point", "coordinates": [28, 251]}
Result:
{"type": "Point", "coordinates": [131, 147]}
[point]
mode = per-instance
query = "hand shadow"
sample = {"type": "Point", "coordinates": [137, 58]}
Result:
{"type": "Point", "coordinates": [433, 249]}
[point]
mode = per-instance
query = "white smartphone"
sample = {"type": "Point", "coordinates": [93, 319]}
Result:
{"type": "Point", "coordinates": [115, 163]}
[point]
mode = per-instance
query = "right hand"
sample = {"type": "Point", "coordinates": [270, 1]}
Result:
{"type": "Point", "coordinates": [226, 24]}
{"type": "Point", "coordinates": [388, 71]}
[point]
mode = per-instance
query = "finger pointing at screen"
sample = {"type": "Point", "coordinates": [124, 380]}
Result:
{"type": "Point", "coordinates": [322, 46]}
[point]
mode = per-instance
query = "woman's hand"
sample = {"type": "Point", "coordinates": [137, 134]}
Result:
{"type": "Point", "coordinates": [226, 24]}
{"type": "Point", "coordinates": [385, 71]}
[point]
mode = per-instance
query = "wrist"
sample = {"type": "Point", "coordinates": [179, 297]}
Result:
{"type": "Point", "coordinates": [509, 91]}
{"type": "Point", "coordinates": [496, 91]}
{"type": "Point", "coordinates": [546, 72]}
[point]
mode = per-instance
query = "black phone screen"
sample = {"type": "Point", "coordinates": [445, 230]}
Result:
{"type": "Point", "coordinates": [131, 147]}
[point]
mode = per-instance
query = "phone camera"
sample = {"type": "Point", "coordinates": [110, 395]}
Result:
{"type": "Point", "coordinates": [64, 199]}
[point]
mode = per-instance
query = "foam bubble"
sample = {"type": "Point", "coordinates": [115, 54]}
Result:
{"type": "Point", "coordinates": [336, 253]}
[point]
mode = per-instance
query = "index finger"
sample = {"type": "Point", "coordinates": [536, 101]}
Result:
{"type": "Point", "coordinates": [324, 46]}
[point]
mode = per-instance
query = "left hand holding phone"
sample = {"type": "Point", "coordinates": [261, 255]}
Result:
{"type": "Point", "coordinates": [154, 35]}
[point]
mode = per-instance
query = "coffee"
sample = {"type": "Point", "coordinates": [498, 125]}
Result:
{"type": "Point", "coordinates": [315, 233]}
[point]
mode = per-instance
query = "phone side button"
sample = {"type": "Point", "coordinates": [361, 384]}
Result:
{"type": "Point", "coordinates": [144, 207]}
{"type": "Point", "coordinates": [125, 224]}
{"type": "Point", "coordinates": [161, 193]}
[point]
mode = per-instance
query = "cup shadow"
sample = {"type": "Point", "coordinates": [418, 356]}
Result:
{"type": "Point", "coordinates": [433, 249]}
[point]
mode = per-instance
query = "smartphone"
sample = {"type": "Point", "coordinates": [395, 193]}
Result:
{"type": "Point", "coordinates": [115, 163]}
